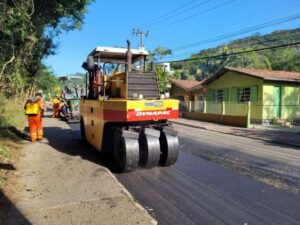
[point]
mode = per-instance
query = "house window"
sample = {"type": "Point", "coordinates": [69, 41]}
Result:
{"type": "Point", "coordinates": [219, 95]}
{"type": "Point", "coordinates": [244, 94]}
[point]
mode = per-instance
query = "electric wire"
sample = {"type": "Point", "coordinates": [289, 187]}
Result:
{"type": "Point", "coordinates": [168, 13]}
{"type": "Point", "coordinates": [231, 46]}
{"type": "Point", "coordinates": [193, 15]}
{"type": "Point", "coordinates": [239, 32]}
{"type": "Point", "coordinates": [181, 12]}
{"type": "Point", "coordinates": [235, 53]}
{"type": "Point", "coordinates": [289, 9]}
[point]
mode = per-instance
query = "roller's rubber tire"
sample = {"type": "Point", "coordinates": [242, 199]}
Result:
{"type": "Point", "coordinates": [149, 151]}
{"type": "Point", "coordinates": [82, 130]}
{"type": "Point", "coordinates": [126, 152]}
{"type": "Point", "coordinates": [169, 147]}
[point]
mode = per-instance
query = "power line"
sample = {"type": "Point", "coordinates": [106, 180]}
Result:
{"type": "Point", "coordinates": [179, 13]}
{"type": "Point", "coordinates": [271, 13]}
{"type": "Point", "coordinates": [235, 45]}
{"type": "Point", "coordinates": [242, 31]}
{"type": "Point", "coordinates": [235, 53]}
{"type": "Point", "coordinates": [194, 15]}
{"type": "Point", "coordinates": [168, 13]}
{"type": "Point", "coordinates": [231, 45]}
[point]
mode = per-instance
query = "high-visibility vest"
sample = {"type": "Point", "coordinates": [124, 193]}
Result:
{"type": "Point", "coordinates": [31, 108]}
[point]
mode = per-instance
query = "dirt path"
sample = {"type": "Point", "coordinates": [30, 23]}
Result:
{"type": "Point", "coordinates": [63, 183]}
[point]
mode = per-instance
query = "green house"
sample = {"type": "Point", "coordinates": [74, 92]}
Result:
{"type": "Point", "coordinates": [265, 94]}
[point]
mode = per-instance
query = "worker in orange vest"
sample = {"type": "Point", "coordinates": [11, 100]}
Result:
{"type": "Point", "coordinates": [34, 108]}
{"type": "Point", "coordinates": [55, 106]}
{"type": "Point", "coordinates": [40, 103]}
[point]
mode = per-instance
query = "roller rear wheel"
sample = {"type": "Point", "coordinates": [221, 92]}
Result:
{"type": "Point", "coordinates": [149, 150]}
{"type": "Point", "coordinates": [126, 152]}
{"type": "Point", "coordinates": [169, 146]}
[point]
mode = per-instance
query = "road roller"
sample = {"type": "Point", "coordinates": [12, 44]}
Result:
{"type": "Point", "coordinates": [124, 112]}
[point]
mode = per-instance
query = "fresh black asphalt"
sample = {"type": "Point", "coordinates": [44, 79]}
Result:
{"type": "Point", "coordinates": [198, 191]}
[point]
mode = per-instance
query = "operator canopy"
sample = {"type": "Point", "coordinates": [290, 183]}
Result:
{"type": "Point", "coordinates": [118, 55]}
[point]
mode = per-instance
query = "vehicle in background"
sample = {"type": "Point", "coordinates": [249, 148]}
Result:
{"type": "Point", "coordinates": [70, 99]}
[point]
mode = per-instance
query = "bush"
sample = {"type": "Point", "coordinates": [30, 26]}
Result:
{"type": "Point", "coordinates": [12, 113]}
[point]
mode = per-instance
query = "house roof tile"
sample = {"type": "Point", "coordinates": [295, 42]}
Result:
{"type": "Point", "coordinates": [259, 73]}
{"type": "Point", "coordinates": [185, 84]}
{"type": "Point", "coordinates": [269, 74]}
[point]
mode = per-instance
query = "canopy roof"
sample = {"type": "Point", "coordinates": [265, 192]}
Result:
{"type": "Point", "coordinates": [64, 78]}
{"type": "Point", "coordinates": [109, 54]}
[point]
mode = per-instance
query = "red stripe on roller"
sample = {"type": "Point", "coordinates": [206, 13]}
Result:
{"type": "Point", "coordinates": [130, 116]}
{"type": "Point", "coordinates": [115, 115]}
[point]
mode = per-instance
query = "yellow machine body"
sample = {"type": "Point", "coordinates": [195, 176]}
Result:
{"type": "Point", "coordinates": [96, 113]}
{"type": "Point", "coordinates": [125, 113]}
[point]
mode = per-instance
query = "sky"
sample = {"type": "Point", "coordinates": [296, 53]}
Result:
{"type": "Point", "coordinates": [172, 24]}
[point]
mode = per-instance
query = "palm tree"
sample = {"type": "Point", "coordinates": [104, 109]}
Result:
{"type": "Point", "coordinates": [161, 52]}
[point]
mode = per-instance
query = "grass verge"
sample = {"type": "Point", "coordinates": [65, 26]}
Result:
{"type": "Point", "coordinates": [10, 145]}
{"type": "Point", "coordinates": [12, 123]}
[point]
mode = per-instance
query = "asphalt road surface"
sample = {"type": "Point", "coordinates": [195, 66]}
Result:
{"type": "Point", "coordinates": [275, 164]}
{"type": "Point", "coordinates": [197, 190]}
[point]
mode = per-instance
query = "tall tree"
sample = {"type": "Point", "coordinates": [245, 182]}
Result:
{"type": "Point", "coordinates": [27, 31]}
{"type": "Point", "coordinates": [161, 52]}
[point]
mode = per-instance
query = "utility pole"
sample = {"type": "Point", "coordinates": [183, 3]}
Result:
{"type": "Point", "coordinates": [142, 34]}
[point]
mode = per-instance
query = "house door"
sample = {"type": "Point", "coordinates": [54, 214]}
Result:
{"type": "Point", "coordinates": [277, 101]}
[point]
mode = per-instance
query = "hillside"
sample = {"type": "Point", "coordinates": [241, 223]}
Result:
{"type": "Point", "coordinates": [276, 59]}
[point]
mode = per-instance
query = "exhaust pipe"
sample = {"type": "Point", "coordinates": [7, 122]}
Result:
{"type": "Point", "coordinates": [128, 57]}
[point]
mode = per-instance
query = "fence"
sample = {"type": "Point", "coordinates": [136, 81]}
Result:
{"type": "Point", "coordinates": [218, 112]}
{"type": "Point", "coordinates": [243, 114]}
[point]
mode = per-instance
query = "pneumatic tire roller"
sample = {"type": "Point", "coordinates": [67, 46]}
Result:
{"type": "Point", "coordinates": [125, 113]}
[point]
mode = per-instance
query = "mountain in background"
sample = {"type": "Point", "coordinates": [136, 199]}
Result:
{"type": "Point", "coordinates": [287, 58]}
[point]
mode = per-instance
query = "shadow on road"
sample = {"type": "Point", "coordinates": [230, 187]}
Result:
{"type": "Point", "coordinates": [69, 142]}
{"type": "Point", "coordinates": [9, 214]}
{"type": "Point", "coordinates": [7, 166]}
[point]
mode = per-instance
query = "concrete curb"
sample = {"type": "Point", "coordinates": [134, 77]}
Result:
{"type": "Point", "coordinates": [238, 135]}
{"type": "Point", "coordinates": [153, 221]}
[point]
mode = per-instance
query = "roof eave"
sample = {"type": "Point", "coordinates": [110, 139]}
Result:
{"type": "Point", "coordinates": [285, 80]}
{"type": "Point", "coordinates": [198, 86]}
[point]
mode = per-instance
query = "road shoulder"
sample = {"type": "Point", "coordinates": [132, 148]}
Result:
{"type": "Point", "coordinates": [64, 183]}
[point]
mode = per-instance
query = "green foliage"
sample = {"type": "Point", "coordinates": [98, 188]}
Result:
{"type": "Point", "coordinates": [12, 113]}
{"type": "Point", "coordinates": [161, 52]}
{"type": "Point", "coordinates": [27, 31]}
{"type": "Point", "coordinates": [277, 59]}
{"type": "Point", "coordinates": [46, 81]}
{"type": "Point", "coordinates": [161, 78]}
{"type": "Point", "coordinates": [286, 59]}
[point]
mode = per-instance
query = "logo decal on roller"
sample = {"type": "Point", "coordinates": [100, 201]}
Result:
{"type": "Point", "coordinates": [153, 113]}
{"type": "Point", "coordinates": [154, 104]}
